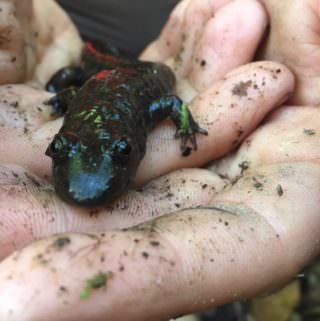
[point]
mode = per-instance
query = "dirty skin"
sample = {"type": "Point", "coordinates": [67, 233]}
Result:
{"type": "Point", "coordinates": [92, 250]}
{"type": "Point", "coordinates": [97, 151]}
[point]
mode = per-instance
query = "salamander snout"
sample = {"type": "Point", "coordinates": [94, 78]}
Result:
{"type": "Point", "coordinates": [87, 188]}
{"type": "Point", "coordinates": [88, 176]}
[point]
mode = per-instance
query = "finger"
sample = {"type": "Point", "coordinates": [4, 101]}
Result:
{"type": "Point", "coordinates": [247, 243]}
{"type": "Point", "coordinates": [28, 149]}
{"type": "Point", "coordinates": [169, 40]}
{"type": "Point", "coordinates": [180, 33]}
{"type": "Point", "coordinates": [22, 108]}
{"type": "Point", "coordinates": [13, 67]}
{"type": "Point", "coordinates": [296, 45]}
{"type": "Point", "coordinates": [196, 16]}
{"type": "Point", "coordinates": [17, 147]}
{"type": "Point", "coordinates": [57, 41]}
{"type": "Point", "coordinates": [22, 140]}
{"type": "Point", "coordinates": [229, 110]}
{"type": "Point", "coordinates": [36, 39]}
{"type": "Point", "coordinates": [289, 134]}
{"type": "Point", "coordinates": [31, 210]}
{"type": "Point", "coordinates": [228, 41]}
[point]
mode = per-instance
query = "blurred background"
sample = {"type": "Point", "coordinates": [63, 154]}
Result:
{"type": "Point", "coordinates": [123, 24]}
{"type": "Point", "coordinates": [298, 301]}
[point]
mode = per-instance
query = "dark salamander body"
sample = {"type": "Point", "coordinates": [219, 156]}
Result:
{"type": "Point", "coordinates": [103, 137]}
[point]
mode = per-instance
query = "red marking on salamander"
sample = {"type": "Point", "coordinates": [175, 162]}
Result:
{"type": "Point", "coordinates": [102, 74]}
{"type": "Point", "coordinates": [123, 74]}
{"type": "Point", "coordinates": [99, 55]}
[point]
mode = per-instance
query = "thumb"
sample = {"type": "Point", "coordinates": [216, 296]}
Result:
{"type": "Point", "coordinates": [13, 67]}
{"type": "Point", "coordinates": [294, 40]}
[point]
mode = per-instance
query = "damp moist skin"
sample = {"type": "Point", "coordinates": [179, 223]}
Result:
{"type": "Point", "coordinates": [110, 105]}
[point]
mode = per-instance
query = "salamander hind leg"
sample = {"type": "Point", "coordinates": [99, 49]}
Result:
{"type": "Point", "coordinates": [178, 111]}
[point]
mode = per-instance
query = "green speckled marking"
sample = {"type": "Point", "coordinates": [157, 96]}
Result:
{"type": "Point", "coordinates": [98, 120]}
{"type": "Point", "coordinates": [86, 114]}
{"type": "Point", "coordinates": [82, 114]}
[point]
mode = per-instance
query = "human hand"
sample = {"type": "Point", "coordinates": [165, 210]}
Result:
{"type": "Point", "coordinates": [236, 246]}
{"type": "Point", "coordinates": [37, 38]}
{"type": "Point", "coordinates": [294, 39]}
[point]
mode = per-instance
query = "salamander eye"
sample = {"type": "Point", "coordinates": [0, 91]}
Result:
{"type": "Point", "coordinates": [58, 147]}
{"type": "Point", "coordinates": [122, 147]}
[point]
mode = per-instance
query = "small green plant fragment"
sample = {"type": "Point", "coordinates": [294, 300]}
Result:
{"type": "Point", "coordinates": [85, 294]}
{"type": "Point", "coordinates": [97, 281]}
{"type": "Point", "coordinates": [258, 186]}
{"type": "Point", "coordinates": [309, 131]}
{"type": "Point", "coordinates": [61, 242]}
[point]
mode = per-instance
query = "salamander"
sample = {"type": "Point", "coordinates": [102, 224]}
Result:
{"type": "Point", "coordinates": [109, 105]}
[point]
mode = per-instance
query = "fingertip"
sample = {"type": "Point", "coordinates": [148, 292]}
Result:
{"type": "Point", "coordinates": [279, 72]}
{"type": "Point", "coordinates": [169, 40]}
{"type": "Point", "coordinates": [229, 40]}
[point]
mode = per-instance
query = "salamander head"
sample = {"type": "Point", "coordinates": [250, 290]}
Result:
{"type": "Point", "coordinates": [91, 174]}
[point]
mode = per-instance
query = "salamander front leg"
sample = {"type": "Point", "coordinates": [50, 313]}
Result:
{"type": "Point", "coordinates": [178, 111]}
{"type": "Point", "coordinates": [61, 101]}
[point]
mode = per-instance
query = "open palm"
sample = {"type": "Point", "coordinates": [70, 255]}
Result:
{"type": "Point", "coordinates": [258, 218]}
